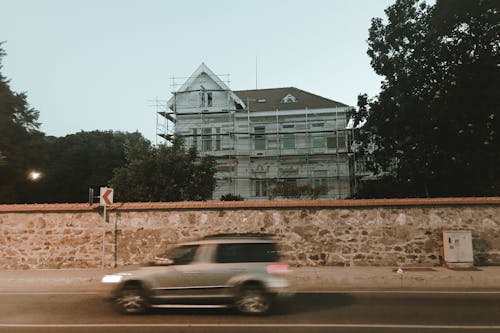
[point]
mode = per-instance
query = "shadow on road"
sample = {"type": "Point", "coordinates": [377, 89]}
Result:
{"type": "Point", "coordinates": [300, 303]}
{"type": "Point", "coordinates": [312, 302]}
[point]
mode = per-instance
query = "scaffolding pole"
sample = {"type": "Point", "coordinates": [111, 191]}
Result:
{"type": "Point", "coordinates": [240, 154]}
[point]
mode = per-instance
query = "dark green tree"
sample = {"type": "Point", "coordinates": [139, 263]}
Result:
{"type": "Point", "coordinates": [21, 143]}
{"type": "Point", "coordinates": [164, 173]}
{"type": "Point", "coordinates": [434, 128]}
{"type": "Point", "coordinates": [231, 197]}
{"type": "Point", "coordinates": [82, 160]}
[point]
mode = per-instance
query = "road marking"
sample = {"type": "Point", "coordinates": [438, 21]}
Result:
{"type": "Point", "coordinates": [18, 293]}
{"type": "Point", "coordinates": [382, 326]}
{"type": "Point", "coordinates": [394, 292]}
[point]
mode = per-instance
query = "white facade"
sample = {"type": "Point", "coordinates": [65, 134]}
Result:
{"type": "Point", "coordinates": [262, 136]}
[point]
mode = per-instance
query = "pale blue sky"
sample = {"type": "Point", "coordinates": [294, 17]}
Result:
{"type": "Point", "coordinates": [96, 64]}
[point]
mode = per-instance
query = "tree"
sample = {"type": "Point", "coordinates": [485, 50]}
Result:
{"type": "Point", "coordinates": [164, 173]}
{"type": "Point", "coordinates": [21, 143]}
{"type": "Point", "coordinates": [82, 160]}
{"type": "Point", "coordinates": [434, 128]}
{"type": "Point", "coordinates": [231, 197]}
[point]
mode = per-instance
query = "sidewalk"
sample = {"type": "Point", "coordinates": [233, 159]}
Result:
{"type": "Point", "coordinates": [301, 279]}
{"type": "Point", "coordinates": [388, 278]}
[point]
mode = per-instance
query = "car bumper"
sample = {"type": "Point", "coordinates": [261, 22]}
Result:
{"type": "Point", "coordinates": [280, 288]}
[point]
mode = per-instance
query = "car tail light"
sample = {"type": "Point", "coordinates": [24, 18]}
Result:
{"type": "Point", "coordinates": [277, 269]}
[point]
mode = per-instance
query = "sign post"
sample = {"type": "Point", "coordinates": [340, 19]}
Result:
{"type": "Point", "coordinates": [105, 199]}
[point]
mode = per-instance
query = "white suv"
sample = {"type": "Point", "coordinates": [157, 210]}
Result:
{"type": "Point", "coordinates": [240, 270]}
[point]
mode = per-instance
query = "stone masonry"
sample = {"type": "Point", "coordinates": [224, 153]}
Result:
{"type": "Point", "coordinates": [404, 232]}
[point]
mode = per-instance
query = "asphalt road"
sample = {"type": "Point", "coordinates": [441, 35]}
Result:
{"type": "Point", "coordinates": [308, 312]}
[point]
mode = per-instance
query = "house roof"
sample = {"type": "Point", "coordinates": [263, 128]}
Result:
{"type": "Point", "coordinates": [203, 69]}
{"type": "Point", "coordinates": [272, 99]}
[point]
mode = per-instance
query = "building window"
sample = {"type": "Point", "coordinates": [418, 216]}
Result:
{"type": "Point", "coordinates": [318, 140]}
{"type": "Point", "coordinates": [209, 99]}
{"type": "Point", "coordinates": [217, 138]}
{"type": "Point", "coordinates": [342, 140]}
{"type": "Point", "coordinates": [259, 138]}
{"type": "Point", "coordinates": [291, 187]}
{"type": "Point", "coordinates": [320, 181]}
{"type": "Point", "coordinates": [207, 139]}
{"type": "Point", "coordinates": [289, 141]}
{"type": "Point", "coordinates": [195, 138]}
{"type": "Point", "coordinates": [206, 99]}
{"type": "Point", "coordinates": [289, 99]}
{"type": "Point", "coordinates": [336, 141]}
{"type": "Point", "coordinates": [261, 188]}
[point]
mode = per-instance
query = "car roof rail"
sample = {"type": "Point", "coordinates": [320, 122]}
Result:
{"type": "Point", "coordinates": [240, 235]}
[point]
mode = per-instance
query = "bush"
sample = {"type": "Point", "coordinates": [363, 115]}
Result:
{"type": "Point", "coordinates": [231, 197]}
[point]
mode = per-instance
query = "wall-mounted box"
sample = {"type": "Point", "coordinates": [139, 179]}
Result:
{"type": "Point", "coordinates": [457, 246]}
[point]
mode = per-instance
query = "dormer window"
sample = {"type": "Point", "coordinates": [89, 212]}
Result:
{"type": "Point", "coordinates": [206, 99]}
{"type": "Point", "coordinates": [289, 99]}
{"type": "Point", "coordinates": [209, 99]}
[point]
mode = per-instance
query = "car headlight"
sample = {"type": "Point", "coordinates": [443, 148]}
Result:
{"type": "Point", "coordinates": [113, 278]}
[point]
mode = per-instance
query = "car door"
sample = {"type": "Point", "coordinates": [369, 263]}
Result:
{"type": "Point", "coordinates": [205, 283]}
{"type": "Point", "coordinates": [176, 282]}
{"type": "Point", "coordinates": [214, 275]}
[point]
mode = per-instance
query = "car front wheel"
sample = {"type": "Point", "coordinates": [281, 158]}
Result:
{"type": "Point", "coordinates": [132, 300]}
{"type": "Point", "coordinates": [253, 300]}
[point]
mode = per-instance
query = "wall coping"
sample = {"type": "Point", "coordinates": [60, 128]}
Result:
{"type": "Point", "coordinates": [272, 204]}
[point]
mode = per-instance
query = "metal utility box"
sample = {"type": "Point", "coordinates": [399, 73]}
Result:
{"type": "Point", "coordinates": [458, 248]}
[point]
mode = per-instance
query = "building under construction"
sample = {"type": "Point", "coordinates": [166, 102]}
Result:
{"type": "Point", "coordinates": [268, 143]}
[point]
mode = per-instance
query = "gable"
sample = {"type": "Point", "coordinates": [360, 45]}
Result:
{"type": "Point", "coordinates": [204, 79]}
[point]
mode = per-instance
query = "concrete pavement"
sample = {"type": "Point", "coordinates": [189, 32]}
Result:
{"type": "Point", "coordinates": [301, 278]}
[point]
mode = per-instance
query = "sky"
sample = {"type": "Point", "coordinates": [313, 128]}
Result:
{"type": "Point", "coordinates": [101, 64]}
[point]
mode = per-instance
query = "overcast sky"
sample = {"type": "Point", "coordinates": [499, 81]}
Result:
{"type": "Point", "coordinates": [98, 64]}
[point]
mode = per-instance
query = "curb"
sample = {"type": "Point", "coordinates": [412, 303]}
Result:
{"type": "Point", "coordinates": [302, 279]}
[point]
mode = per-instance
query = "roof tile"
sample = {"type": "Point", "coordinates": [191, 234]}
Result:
{"type": "Point", "coordinates": [270, 99]}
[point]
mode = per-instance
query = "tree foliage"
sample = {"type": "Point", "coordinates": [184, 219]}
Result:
{"type": "Point", "coordinates": [72, 164]}
{"type": "Point", "coordinates": [82, 160]}
{"type": "Point", "coordinates": [434, 128]}
{"type": "Point", "coordinates": [231, 197]}
{"type": "Point", "coordinates": [21, 143]}
{"type": "Point", "coordinates": [164, 173]}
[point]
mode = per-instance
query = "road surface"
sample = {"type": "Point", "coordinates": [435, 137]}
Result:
{"type": "Point", "coordinates": [308, 312]}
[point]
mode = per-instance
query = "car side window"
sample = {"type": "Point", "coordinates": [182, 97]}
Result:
{"type": "Point", "coordinates": [246, 252]}
{"type": "Point", "coordinates": [183, 255]}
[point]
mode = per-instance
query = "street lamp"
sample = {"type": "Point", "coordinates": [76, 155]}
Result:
{"type": "Point", "coordinates": [35, 175]}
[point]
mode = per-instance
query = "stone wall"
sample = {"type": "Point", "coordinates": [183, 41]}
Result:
{"type": "Point", "coordinates": [349, 232]}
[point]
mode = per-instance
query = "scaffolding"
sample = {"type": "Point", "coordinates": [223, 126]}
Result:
{"type": "Point", "coordinates": [166, 115]}
{"type": "Point", "coordinates": [306, 155]}
{"type": "Point", "coordinates": [233, 142]}
{"type": "Point", "coordinates": [165, 122]}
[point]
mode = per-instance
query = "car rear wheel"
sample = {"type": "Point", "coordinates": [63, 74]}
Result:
{"type": "Point", "coordinates": [253, 300]}
{"type": "Point", "coordinates": [132, 300]}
